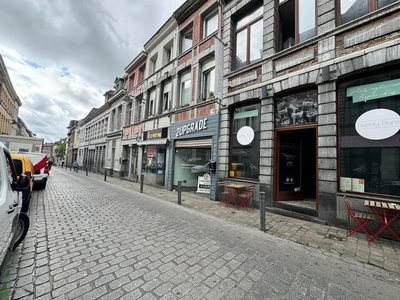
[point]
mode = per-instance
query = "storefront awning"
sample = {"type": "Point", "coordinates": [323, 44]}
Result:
{"type": "Point", "coordinates": [153, 142]}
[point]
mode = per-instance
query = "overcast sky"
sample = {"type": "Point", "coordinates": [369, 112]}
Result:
{"type": "Point", "coordinates": [62, 55]}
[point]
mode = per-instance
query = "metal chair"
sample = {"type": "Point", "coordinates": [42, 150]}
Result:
{"type": "Point", "coordinates": [361, 219]}
{"type": "Point", "coordinates": [223, 194]}
{"type": "Point", "coordinates": [245, 197]}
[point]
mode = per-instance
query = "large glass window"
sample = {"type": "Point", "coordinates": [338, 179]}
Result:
{"type": "Point", "coordinates": [369, 136]}
{"type": "Point", "coordinates": [354, 9]}
{"type": "Point", "coordinates": [245, 142]}
{"type": "Point", "coordinates": [296, 27]}
{"type": "Point", "coordinates": [190, 163]}
{"type": "Point", "coordinates": [249, 38]}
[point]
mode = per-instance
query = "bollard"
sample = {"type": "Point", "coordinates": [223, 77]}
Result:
{"type": "Point", "coordinates": [262, 211]}
{"type": "Point", "coordinates": [179, 192]}
{"type": "Point", "coordinates": [105, 174]}
{"type": "Point", "coordinates": [141, 183]}
{"type": "Point", "coordinates": [86, 171]}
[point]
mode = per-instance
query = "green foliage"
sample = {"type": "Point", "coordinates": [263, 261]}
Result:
{"type": "Point", "coordinates": [60, 148]}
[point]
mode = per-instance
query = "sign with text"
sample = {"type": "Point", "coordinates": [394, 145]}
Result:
{"type": "Point", "coordinates": [203, 183]}
{"type": "Point", "coordinates": [363, 93]}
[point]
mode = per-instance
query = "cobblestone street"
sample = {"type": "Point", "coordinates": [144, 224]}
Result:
{"type": "Point", "coordinates": [90, 239]}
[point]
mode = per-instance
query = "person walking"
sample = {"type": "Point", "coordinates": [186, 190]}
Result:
{"type": "Point", "coordinates": [75, 165]}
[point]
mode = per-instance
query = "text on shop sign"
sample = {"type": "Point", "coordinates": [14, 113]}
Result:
{"type": "Point", "coordinates": [192, 127]}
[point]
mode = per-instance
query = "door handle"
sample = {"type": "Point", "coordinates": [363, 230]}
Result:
{"type": "Point", "coordinates": [10, 209]}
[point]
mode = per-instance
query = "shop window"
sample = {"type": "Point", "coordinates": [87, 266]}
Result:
{"type": "Point", "coordinates": [190, 163]}
{"type": "Point", "coordinates": [297, 109]}
{"type": "Point", "coordinates": [249, 38]}
{"type": "Point", "coordinates": [354, 9]}
{"type": "Point", "coordinates": [296, 27]}
{"type": "Point", "coordinates": [369, 147]}
{"type": "Point", "coordinates": [245, 142]}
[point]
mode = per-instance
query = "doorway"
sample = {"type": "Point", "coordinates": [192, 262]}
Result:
{"type": "Point", "coordinates": [296, 167]}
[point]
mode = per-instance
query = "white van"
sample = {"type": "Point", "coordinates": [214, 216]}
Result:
{"type": "Point", "coordinates": [40, 168]}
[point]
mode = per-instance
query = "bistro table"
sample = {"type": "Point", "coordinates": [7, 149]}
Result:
{"type": "Point", "coordinates": [234, 190]}
{"type": "Point", "coordinates": [386, 213]}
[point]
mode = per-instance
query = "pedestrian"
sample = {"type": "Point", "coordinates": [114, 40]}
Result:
{"type": "Point", "coordinates": [75, 165]}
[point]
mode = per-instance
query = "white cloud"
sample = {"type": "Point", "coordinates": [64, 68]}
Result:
{"type": "Point", "coordinates": [62, 55]}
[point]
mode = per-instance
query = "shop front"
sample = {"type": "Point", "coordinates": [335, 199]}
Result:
{"type": "Point", "coordinates": [296, 134]}
{"type": "Point", "coordinates": [369, 135]}
{"type": "Point", "coordinates": [194, 149]}
{"type": "Point", "coordinates": [131, 136]}
{"type": "Point", "coordinates": [154, 153]}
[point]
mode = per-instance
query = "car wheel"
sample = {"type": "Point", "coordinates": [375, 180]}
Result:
{"type": "Point", "coordinates": [21, 230]}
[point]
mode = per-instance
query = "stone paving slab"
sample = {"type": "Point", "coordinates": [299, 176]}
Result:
{"type": "Point", "coordinates": [384, 253]}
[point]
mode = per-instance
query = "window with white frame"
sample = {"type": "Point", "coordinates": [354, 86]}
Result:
{"type": "Point", "coordinates": [186, 40]}
{"type": "Point", "coordinates": [153, 64]}
{"type": "Point", "coordinates": [151, 103]}
{"type": "Point", "coordinates": [138, 110]}
{"type": "Point", "coordinates": [166, 96]}
{"type": "Point", "coordinates": [297, 21]}
{"type": "Point", "coordinates": [168, 53]}
{"type": "Point", "coordinates": [128, 114]}
{"type": "Point", "coordinates": [185, 88]}
{"type": "Point", "coordinates": [208, 80]}
{"type": "Point", "coordinates": [132, 81]}
{"type": "Point", "coordinates": [249, 37]}
{"type": "Point", "coordinates": [142, 71]}
{"type": "Point", "coordinates": [210, 23]}
{"type": "Point", "coordinates": [354, 9]}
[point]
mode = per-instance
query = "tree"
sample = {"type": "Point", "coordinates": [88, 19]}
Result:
{"type": "Point", "coordinates": [60, 148]}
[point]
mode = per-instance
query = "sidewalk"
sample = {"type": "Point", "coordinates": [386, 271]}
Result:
{"type": "Point", "coordinates": [383, 254]}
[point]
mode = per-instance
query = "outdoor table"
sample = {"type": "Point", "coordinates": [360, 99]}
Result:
{"type": "Point", "coordinates": [386, 213]}
{"type": "Point", "coordinates": [234, 190]}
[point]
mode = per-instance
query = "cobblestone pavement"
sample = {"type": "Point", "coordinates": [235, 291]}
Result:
{"type": "Point", "coordinates": [91, 239]}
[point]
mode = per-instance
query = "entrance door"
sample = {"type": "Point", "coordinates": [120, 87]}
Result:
{"type": "Point", "coordinates": [295, 164]}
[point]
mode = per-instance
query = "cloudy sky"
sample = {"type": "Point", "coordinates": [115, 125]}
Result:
{"type": "Point", "coordinates": [62, 55]}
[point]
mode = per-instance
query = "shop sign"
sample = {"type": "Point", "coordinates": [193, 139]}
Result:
{"type": "Point", "coordinates": [154, 134]}
{"type": "Point", "coordinates": [203, 183]}
{"type": "Point", "coordinates": [191, 127]}
{"type": "Point", "coordinates": [363, 93]}
{"type": "Point", "coordinates": [378, 124]}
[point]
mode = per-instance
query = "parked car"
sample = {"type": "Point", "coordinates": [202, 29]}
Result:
{"type": "Point", "coordinates": [24, 166]}
{"type": "Point", "coordinates": [40, 167]}
{"type": "Point", "coordinates": [13, 224]}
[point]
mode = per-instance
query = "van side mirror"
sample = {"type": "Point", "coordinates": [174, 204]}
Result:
{"type": "Point", "coordinates": [22, 183]}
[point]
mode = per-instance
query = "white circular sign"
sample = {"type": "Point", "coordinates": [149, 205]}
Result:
{"type": "Point", "coordinates": [245, 135]}
{"type": "Point", "coordinates": [378, 124]}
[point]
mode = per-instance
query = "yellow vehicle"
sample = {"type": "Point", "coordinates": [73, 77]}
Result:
{"type": "Point", "coordinates": [24, 167]}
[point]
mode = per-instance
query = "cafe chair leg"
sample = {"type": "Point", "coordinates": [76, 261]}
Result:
{"type": "Point", "coordinates": [360, 218]}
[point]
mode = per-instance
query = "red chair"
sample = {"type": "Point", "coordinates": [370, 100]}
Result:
{"type": "Point", "coordinates": [223, 194]}
{"type": "Point", "coordinates": [245, 197]}
{"type": "Point", "coordinates": [361, 219]}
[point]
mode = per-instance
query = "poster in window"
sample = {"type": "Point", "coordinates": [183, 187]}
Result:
{"type": "Point", "coordinates": [289, 166]}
